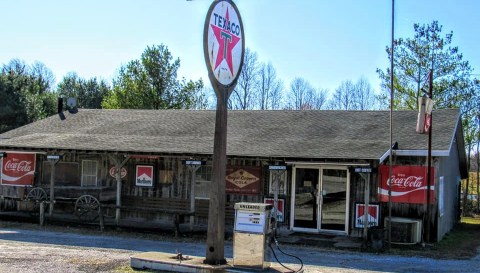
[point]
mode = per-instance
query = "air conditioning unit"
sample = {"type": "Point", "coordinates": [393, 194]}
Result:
{"type": "Point", "coordinates": [405, 230]}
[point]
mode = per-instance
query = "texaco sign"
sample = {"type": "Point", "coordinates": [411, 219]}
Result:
{"type": "Point", "coordinates": [224, 42]}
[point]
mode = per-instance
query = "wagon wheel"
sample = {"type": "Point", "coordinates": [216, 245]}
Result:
{"type": "Point", "coordinates": [87, 208]}
{"type": "Point", "coordinates": [36, 195]}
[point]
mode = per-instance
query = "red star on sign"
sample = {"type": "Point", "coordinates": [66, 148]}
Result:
{"type": "Point", "coordinates": [227, 41]}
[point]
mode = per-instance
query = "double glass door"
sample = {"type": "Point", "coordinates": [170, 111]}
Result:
{"type": "Point", "coordinates": [320, 199]}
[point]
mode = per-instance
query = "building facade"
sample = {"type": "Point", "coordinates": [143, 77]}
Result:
{"type": "Point", "coordinates": [129, 165]}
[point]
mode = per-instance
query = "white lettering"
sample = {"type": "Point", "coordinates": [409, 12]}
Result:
{"type": "Point", "coordinates": [406, 182]}
{"type": "Point", "coordinates": [22, 166]}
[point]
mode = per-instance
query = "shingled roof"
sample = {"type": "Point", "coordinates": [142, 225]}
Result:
{"type": "Point", "coordinates": [288, 134]}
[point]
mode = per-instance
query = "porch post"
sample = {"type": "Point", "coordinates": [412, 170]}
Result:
{"type": "Point", "coordinates": [367, 203]}
{"type": "Point", "coordinates": [118, 167]}
{"type": "Point", "coordinates": [53, 160]}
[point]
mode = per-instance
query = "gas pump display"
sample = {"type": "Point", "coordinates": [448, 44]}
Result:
{"type": "Point", "coordinates": [250, 222]}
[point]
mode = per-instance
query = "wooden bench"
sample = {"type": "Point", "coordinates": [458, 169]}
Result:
{"type": "Point", "coordinates": [201, 210]}
{"type": "Point", "coordinates": [176, 207]}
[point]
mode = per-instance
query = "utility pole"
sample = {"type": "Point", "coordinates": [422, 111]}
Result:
{"type": "Point", "coordinates": [429, 163]}
{"type": "Point", "coordinates": [389, 225]}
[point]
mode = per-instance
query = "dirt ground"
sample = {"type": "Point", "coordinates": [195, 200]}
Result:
{"type": "Point", "coordinates": [28, 248]}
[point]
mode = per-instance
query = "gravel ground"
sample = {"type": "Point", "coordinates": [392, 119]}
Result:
{"type": "Point", "coordinates": [28, 251]}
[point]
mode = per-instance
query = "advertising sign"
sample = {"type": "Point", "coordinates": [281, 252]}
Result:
{"type": "Point", "coordinates": [281, 208]}
{"type": "Point", "coordinates": [224, 42]}
{"type": "Point", "coordinates": [408, 183]}
{"type": "Point", "coordinates": [372, 216]}
{"type": "Point", "coordinates": [243, 180]}
{"type": "Point", "coordinates": [123, 172]}
{"type": "Point", "coordinates": [18, 169]}
{"type": "Point", "coordinates": [144, 176]}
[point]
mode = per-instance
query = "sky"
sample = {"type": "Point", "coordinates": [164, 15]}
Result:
{"type": "Point", "coordinates": [323, 41]}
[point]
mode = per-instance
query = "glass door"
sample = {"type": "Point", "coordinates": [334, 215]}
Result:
{"type": "Point", "coordinates": [305, 203]}
{"type": "Point", "coordinates": [333, 199]}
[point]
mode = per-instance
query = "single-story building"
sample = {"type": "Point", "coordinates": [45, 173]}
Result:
{"type": "Point", "coordinates": [131, 164]}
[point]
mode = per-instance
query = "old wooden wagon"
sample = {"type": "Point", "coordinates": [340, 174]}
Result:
{"type": "Point", "coordinates": [30, 179]}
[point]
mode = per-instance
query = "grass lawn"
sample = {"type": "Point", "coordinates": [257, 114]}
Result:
{"type": "Point", "coordinates": [461, 242]}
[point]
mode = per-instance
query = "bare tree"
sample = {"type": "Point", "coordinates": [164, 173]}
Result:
{"type": "Point", "coordinates": [364, 96]}
{"type": "Point", "coordinates": [320, 99]}
{"type": "Point", "coordinates": [350, 96]}
{"type": "Point", "coordinates": [269, 87]}
{"type": "Point", "coordinates": [301, 95]}
{"type": "Point", "coordinates": [244, 94]}
{"type": "Point", "coordinates": [343, 98]}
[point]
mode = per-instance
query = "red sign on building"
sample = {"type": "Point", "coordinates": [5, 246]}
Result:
{"type": "Point", "coordinates": [373, 215]}
{"type": "Point", "coordinates": [243, 180]}
{"type": "Point", "coordinates": [408, 183]}
{"type": "Point", "coordinates": [18, 169]}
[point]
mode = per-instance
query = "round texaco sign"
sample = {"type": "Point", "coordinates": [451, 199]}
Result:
{"type": "Point", "coordinates": [224, 42]}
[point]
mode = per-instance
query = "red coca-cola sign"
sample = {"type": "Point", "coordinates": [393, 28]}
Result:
{"type": "Point", "coordinates": [18, 169]}
{"type": "Point", "coordinates": [408, 183]}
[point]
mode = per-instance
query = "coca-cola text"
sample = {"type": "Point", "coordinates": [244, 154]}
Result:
{"type": "Point", "coordinates": [21, 166]}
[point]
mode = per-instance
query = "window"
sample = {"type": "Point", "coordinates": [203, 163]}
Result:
{"type": "Point", "coordinates": [203, 181]}
{"type": "Point", "coordinates": [89, 173]}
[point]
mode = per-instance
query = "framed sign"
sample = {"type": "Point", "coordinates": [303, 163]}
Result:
{"type": "Point", "coordinates": [373, 214]}
{"type": "Point", "coordinates": [408, 183]}
{"type": "Point", "coordinates": [281, 208]}
{"type": "Point", "coordinates": [18, 169]}
{"type": "Point", "coordinates": [243, 180]}
{"type": "Point", "coordinates": [144, 176]}
{"type": "Point", "coordinates": [282, 183]}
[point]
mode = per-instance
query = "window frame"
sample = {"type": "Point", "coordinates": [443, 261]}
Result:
{"type": "Point", "coordinates": [84, 176]}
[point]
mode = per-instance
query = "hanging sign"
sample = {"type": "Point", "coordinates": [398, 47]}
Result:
{"type": "Point", "coordinates": [18, 169]}
{"type": "Point", "coordinates": [408, 184]}
{"type": "Point", "coordinates": [192, 162]}
{"type": "Point", "coordinates": [224, 43]}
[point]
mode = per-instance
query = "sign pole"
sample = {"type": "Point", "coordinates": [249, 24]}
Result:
{"type": "Point", "coordinates": [223, 49]}
{"type": "Point", "coordinates": [53, 160]}
{"type": "Point", "coordinates": [193, 166]}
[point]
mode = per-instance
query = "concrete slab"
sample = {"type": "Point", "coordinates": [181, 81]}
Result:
{"type": "Point", "coordinates": [168, 262]}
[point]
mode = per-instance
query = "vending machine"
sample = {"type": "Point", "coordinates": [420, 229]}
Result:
{"type": "Point", "coordinates": [251, 235]}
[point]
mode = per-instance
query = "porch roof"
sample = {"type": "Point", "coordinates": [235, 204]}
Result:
{"type": "Point", "coordinates": [312, 134]}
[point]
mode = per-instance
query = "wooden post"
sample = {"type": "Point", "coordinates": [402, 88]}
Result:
{"type": "Point", "coordinates": [42, 213]}
{"type": "Point", "coordinates": [367, 203]}
{"type": "Point", "coordinates": [117, 161]}
{"type": "Point", "coordinates": [102, 223]}
{"type": "Point", "coordinates": [52, 185]}
{"type": "Point", "coordinates": [53, 160]}
{"type": "Point", "coordinates": [193, 170]}
{"type": "Point", "coordinates": [216, 211]}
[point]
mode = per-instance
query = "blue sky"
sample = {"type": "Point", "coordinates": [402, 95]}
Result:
{"type": "Point", "coordinates": [325, 42]}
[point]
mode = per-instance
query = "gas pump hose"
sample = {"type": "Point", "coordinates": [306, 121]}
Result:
{"type": "Point", "coordinates": [276, 258]}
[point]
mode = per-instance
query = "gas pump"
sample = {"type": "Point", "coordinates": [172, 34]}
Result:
{"type": "Point", "coordinates": [251, 236]}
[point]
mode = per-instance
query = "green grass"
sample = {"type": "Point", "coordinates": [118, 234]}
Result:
{"type": "Point", "coordinates": [461, 242]}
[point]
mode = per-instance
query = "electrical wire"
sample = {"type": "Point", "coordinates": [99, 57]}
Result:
{"type": "Point", "coordinates": [284, 253]}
